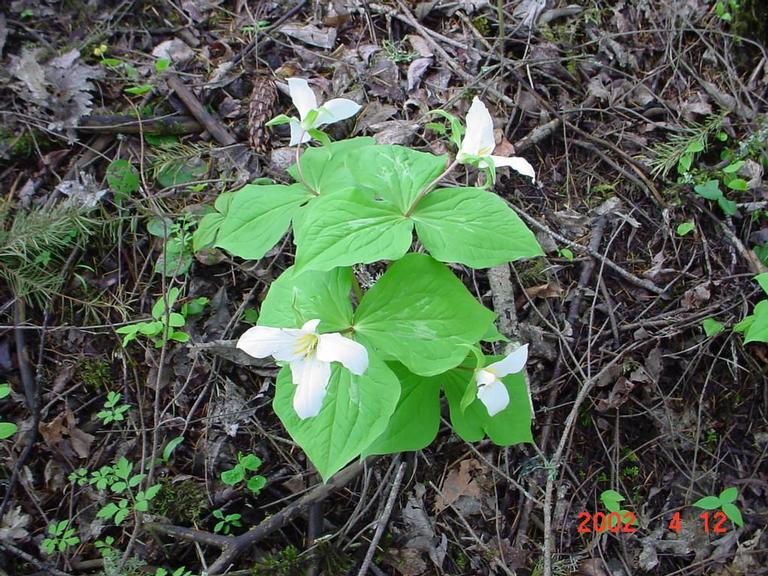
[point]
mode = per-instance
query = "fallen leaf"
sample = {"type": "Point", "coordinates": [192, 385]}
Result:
{"type": "Point", "coordinates": [459, 483]}
{"type": "Point", "coordinates": [617, 396]}
{"type": "Point", "coordinates": [63, 436]}
{"type": "Point", "coordinates": [174, 50]}
{"type": "Point", "coordinates": [311, 34]}
{"type": "Point", "coordinates": [13, 525]}
{"type": "Point", "coordinates": [401, 132]}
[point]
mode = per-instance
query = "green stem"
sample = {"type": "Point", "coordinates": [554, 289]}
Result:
{"type": "Point", "coordinates": [298, 166]}
{"type": "Point", "coordinates": [429, 187]}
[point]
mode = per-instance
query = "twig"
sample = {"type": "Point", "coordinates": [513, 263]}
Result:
{"type": "Point", "coordinates": [232, 548]}
{"type": "Point", "coordinates": [211, 124]}
{"type": "Point", "coordinates": [32, 560]}
{"type": "Point", "coordinates": [382, 520]}
{"type": "Point", "coordinates": [125, 124]}
{"type": "Point", "coordinates": [628, 276]}
{"type": "Point", "coordinates": [754, 262]}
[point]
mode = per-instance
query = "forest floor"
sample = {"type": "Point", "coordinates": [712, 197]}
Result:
{"type": "Point", "coordinates": [647, 124]}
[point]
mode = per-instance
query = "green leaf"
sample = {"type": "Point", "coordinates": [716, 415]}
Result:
{"type": "Point", "coordinates": [251, 220]}
{"type": "Point", "coordinates": [250, 462]}
{"type": "Point", "coordinates": [733, 167]}
{"type": "Point", "coordinates": [733, 514]}
{"type": "Point", "coordinates": [611, 500]}
{"type": "Point", "coordinates": [122, 178]}
{"type": "Point", "coordinates": [709, 190]}
{"type": "Point", "coordinates": [5, 390]}
{"type": "Point", "coordinates": [138, 90]}
{"type": "Point", "coordinates": [171, 446]}
{"type": "Point", "coordinates": [323, 295]}
{"type": "Point", "coordinates": [394, 173]}
{"type": "Point", "coordinates": [729, 207]}
{"type": "Point", "coordinates": [255, 484]}
{"type": "Point", "coordinates": [420, 314]}
{"type": "Point", "coordinates": [108, 511]}
{"type": "Point", "coordinates": [729, 495]}
{"type": "Point", "coordinates": [707, 503]}
{"type": "Point", "coordinates": [474, 227]}
{"type": "Point", "coordinates": [416, 419]}
{"type": "Point", "coordinates": [757, 330]}
{"type": "Point", "coordinates": [762, 280]}
{"type": "Point", "coordinates": [348, 228]}
{"type": "Point", "coordinates": [695, 146]}
{"type": "Point", "coordinates": [685, 228]}
{"type": "Point", "coordinates": [510, 426]}
{"type": "Point", "coordinates": [232, 477]}
{"type": "Point", "coordinates": [355, 411]}
{"type": "Point", "coordinates": [738, 184]}
{"type": "Point", "coordinates": [7, 429]}
{"type": "Point", "coordinates": [711, 327]}
{"type": "Point", "coordinates": [181, 172]}
{"type": "Point", "coordinates": [152, 491]}
{"type": "Point", "coordinates": [278, 120]}
{"type": "Point", "coordinates": [162, 64]}
{"type": "Point", "coordinates": [325, 169]}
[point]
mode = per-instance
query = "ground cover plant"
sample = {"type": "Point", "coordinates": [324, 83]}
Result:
{"type": "Point", "coordinates": [383, 288]}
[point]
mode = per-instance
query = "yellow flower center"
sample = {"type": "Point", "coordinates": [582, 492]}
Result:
{"type": "Point", "coordinates": [306, 345]}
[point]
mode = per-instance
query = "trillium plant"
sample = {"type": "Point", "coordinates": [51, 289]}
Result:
{"type": "Point", "coordinates": [370, 324]}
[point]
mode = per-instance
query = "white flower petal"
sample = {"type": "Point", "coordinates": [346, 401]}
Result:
{"type": "Point", "coordinates": [485, 377]}
{"type": "Point", "coordinates": [512, 364]}
{"type": "Point", "coordinates": [494, 396]}
{"type": "Point", "coordinates": [298, 134]}
{"type": "Point", "coordinates": [334, 347]}
{"type": "Point", "coordinates": [302, 95]}
{"type": "Point", "coordinates": [263, 341]}
{"type": "Point", "coordinates": [337, 110]}
{"type": "Point", "coordinates": [310, 326]}
{"type": "Point", "coordinates": [478, 140]}
{"type": "Point", "coordinates": [520, 165]}
{"type": "Point", "coordinates": [311, 377]}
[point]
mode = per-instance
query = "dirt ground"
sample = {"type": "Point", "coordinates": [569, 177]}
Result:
{"type": "Point", "coordinates": [647, 125]}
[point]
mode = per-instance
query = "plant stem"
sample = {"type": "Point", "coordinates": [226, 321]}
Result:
{"type": "Point", "coordinates": [298, 166]}
{"type": "Point", "coordinates": [428, 188]}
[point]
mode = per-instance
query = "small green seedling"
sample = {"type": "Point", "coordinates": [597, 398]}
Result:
{"type": "Point", "coordinates": [79, 476]}
{"type": "Point", "coordinates": [163, 326]}
{"type": "Point", "coordinates": [612, 502]}
{"type": "Point", "coordinates": [725, 503]}
{"type": "Point", "coordinates": [61, 537]}
{"type": "Point", "coordinates": [226, 522]}
{"type": "Point", "coordinates": [170, 447]}
{"type": "Point", "coordinates": [246, 465]}
{"type": "Point", "coordinates": [182, 571]}
{"type": "Point", "coordinates": [566, 253]}
{"type": "Point", "coordinates": [113, 412]}
{"type": "Point", "coordinates": [685, 228]}
{"type": "Point", "coordinates": [755, 325]}
{"type": "Point", "coordinates": [7, 429]}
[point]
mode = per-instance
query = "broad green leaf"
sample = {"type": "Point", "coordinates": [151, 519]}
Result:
{"type": "Point", "coordinates": [762, 280]}
{"type": "Point", "coordinates": [729, 207]}
{"type": "Point", "coordinates": [685, 228]}
{"type": "Point", "coordinates": [324, 168]}
{"type": "Point", "coordinates": [611, 500]}
{"type": "Point", "coordinates": [7, 429]}
{"type": "Point", "coordinates": [711, 327]}
{"type": "Point", "coordinates": [356, 410]}
{"type": "Point", "coordinates": [420, 314]}
{"type": "Point", "coordinates": [733, 167]}
{"type": "Point", "coordinates": [122, 178]}
{"type": "Point", "coordinates": [181, 172]}
{"type": "Point", "coordinates": [695, 146]}
{"type": "Point", "coordinates": [292, 300]}
{"type": "Point", "coordinates": [738, 184]}
{"type": "Point", "coordinates": [729, 495]}
{"type": "Point", "coordinates": [510, 426]}
{"type": "Point", "coordinates": [394, 173]}
{"type": "Point", "coordinates": [5, 390]}
{"type": "Point", "coordinates": [757, 330]}
{"type": "Point", "coordinates": [348, 228]}
{"type": "Point", "coordinates": [232, 477]}
{"type": "Point", "coordinates": [473, 227]}
{"type": "Point", "coordinates": [416, 420]}
{"type": "Point", "coordinates": [708, 503]}
{"type": "Point", "coordinates": [250, 462]}
{"type": "Point", "coordinates": [253, 219]}
{"type": "Point", "coordinates": [733, 514]}
{"type": "Point", "coordinates": [255, 484]}
{"type": "Point", "coordinates": [709, 190]}
{"type": "Point", "coordinates": [208, 227]}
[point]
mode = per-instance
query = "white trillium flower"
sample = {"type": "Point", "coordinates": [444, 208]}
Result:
{"type": "Point", "coordinates": [311, 115]}
{"type": "Point", "coordinates": [309, 355]}
{"type": "Point", "coordinates": [490, 389]}
{"type": "Point", "coordinates": [478, 143]}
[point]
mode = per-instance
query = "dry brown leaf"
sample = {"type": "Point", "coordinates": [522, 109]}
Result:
{"type": "Point", "coordinates": [14, 524]}
{"type": "Point", "coordinates": [311, 34]}
{"type": "Point", "coordinates": [459, 483]}
{"type": "Point", "coordinates": [548, 290]}
{"type": "Point", "coordinates": [63, 436]}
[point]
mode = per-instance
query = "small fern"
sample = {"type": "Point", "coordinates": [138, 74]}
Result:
{"type": "Point", "coordinates": [667, 154]}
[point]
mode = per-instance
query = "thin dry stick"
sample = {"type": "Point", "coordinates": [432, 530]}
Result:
{"type": "Point", "coordinates": [382, 521]}
{"type": "Point", "coordinates": [211, 124]}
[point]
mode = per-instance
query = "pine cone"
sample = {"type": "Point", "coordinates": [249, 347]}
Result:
{"type": "Point", "coordinates": [261, 111]}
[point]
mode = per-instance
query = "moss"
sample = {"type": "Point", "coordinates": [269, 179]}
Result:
{"type": "Point", "coordinates": [95, 373]}
{"type": "Point", "coordinates": [751, 20]}
{"type": "Point", "coordinates": [182, 502]}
